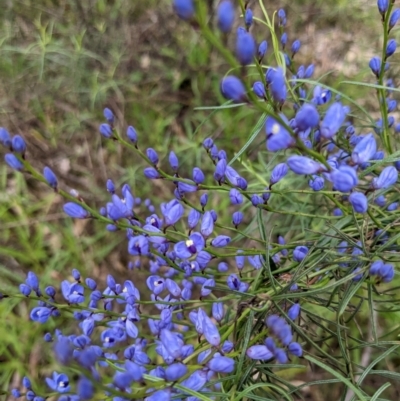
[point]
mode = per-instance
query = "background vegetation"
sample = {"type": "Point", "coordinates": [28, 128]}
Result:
{"type": "Point", "coordinates": [62, 62]}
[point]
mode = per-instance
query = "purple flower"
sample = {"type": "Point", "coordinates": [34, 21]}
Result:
{"type": "Point", "coordinates": [359, 202]}
{"type": "Point", "coordinates": [295, 349]}
{"type": "Point", "coordinates": [391, 47]}
{"type": "Point", "coordinates": [172, 212]}
{"type": "Point", "coordinates": [281, 356]}
{"type": "Point", "coordinates": [132, 134]}
{"type": "Point", "coordinates": [225, 16]}
{"type": "Point", "coordinates": [232, 88]}
{"type": "Point", "coordinates": [383, 6]}
{"type": "Point", "coordinates": [207, 287]}
{"type": "Point", "coordinates": [210, 330]}
{"type": "Point", "coordinates": [198, 176]}
{"type": "Point", "coordinates": [248, 17]}
{"type": "Point", "coordinates": [317, 183]}
{"type": "Point", "coordinates": [184, 9]}
{"type": "Point", "coordinates": [173, 161]}
{"type": "Point", "coordinates": [18, 144]}
{"type": "Point", "coordinates": [85, 389]}
{"type": "Point", "coordinates": [237, 218]}
{"type": "Point", "coordinates": [387, 178]}
{"type": "Point", "coordinates": [221, 364]}
{"type": "Point", "coordinates": [139, 245]}
{"type": "Point", "coordinates": [299, 253]}
{"type": "Point", "coordinates": [151, 173]}
{"type": "Point", "coordinates": [5, 138]}
{"type": "Point", "coordinates": [375, 65]}
{"type": "Point", "coordinates": [294, 311]}
{"type": "Point", "coordinates": [75, 211]}
{"type": "Point", "coordinates": [207, 224]}
{"type": "Point", "coordinates": [309, 71]}
{"type": "Point", "coordinates": [259, 352]}
{"type": "Point", "coordinates": [13, 161]}
{"type": "Point", "coordinates": [321, 96]}
{"type": "Point", "coordinates": [106, 130]}
{"type": "Point", "coordinates": [386, 272]}
{"type": "Point", "coordinates": [175, 371]}
{"type": "Point", "coordinates": [40, 314]}
{"type": "Point", "coordinates": [235, 196]}
{"type": "Point", "coordinates": [220, 169]}
{"type": "Point", "coordinates": [364, 150]}
{"type": "Point", "coordinates": [245, 47]}
{"type": "Point", "coordinates": [278, 138]}
{"type": "Point", "coordinates": [344, 178]}
{"type": "Point", "coordinates": [72, 292]}
{"type": "Point", "coordinates": [278, 172]}
{"type": "Point", "coordinates": [108, 115]}
{"type": "Point", "coordinates": [395, 16]}
{"type": "Point", "coordinates": [304, 165]}
{"type": "Point", "coordinates": [262, 49]}
{"type": "Point", "coordinates": [172, 342]}
{"type": "Point", "coordinates": [259, 89]}
{"type": "Point", "coordinates": [333, 120]}
{"type": "Point", "coordinates": [220, 241]}
{"type": "Point", "coordinates": [196, 381]}
{"type": "Point", "coordinates": [152, 156]}
{"type": "Point", "coordinates": [295, 46]}
{"type": "Point", "coordinates": [58, 382]}
{"type": "Point", "coordinates": [307, 117]}
{"type": "Point", "coordinates": [32, 281]}
{"type": "Point", "coordinates": [278, 85]}
{"type": "Point", "coordinates": [185, 249]}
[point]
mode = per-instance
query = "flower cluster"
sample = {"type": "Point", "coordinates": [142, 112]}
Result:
{"type": "Point", "coordinates": [174, 334]}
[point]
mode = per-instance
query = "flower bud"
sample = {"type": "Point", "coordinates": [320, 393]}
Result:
{"type": "Point", "coordinates": [304, 165]}
{"type": "Point", "coordinates": [359, 202]}
{"type": "Point", "coordinates": [131, 134]}
{"type": "Point", "coordinates": [75, 211]}
{"type": "Point", "coordinates": [259, 89]}
{"type": "Point", "coordinates": [232, 88]}
{"type": "Point", "coordinates": [108, 115]}
{"type": "Point", "coordinates": [184, 9]}
{"type": "Point", "coordinates": [13, 162]}
{"type": "Point", "coordinates": [307, 117]}
{"type": "Point", "coordinates": [245, 47]}
{"type": "Point", "coordinates": [18, 144]}
{"type": "Point", "coordinates": [383, 6]}
{"type": "Point", "coordinates": [106, 130]}
{"type": "Point", "coordinates": [394, 18]}
{"type": "Point", "coordinates": [248, 17]}
{"type": "Point", "coordinates": [50, 177]}
{"type": "Point", "coordinates": [262, 49]}
{"type": "Point", "coordinates": [225, 16]}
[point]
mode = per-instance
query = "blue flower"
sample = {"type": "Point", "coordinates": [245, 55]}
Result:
{"type": "Point", "coordinates": [344, 178]}
{"type": "Point", "coordinates": [18, 144]}
{"type": "Point", "coordinates": [245, 47]}
{"type": "Point", "coordinates": [59, 382]}
{"type": "Point", "coordinates": [304, 165]}
{"type": "Point", "coordinates": [333, 120]}
{"type": "Point", "coordinates": [359, 202]}
{"type": "Point", "coordinates": [386, 179]}
{"type": "Point", "coordinates": [364, 150]}
{"type": "Point", "coordinates": [232, 88]}
{"type": "Point", "coordinates": [40, 314]}
{"type": "Point", "coordinates": [188, 248]}
{"type": "Point", "coordinates": [306, 117]}
{"type": "Point", "coordinates": [13, 162]}
{"type": "Point", "coordinates": [76, 211]}
{"type": "Point", "coordinates": [109, 115]}
{"type": "Point", "coordinates": [259, 352]}
{"type": "Point", "coordinates": [278, 85]}
{"type": "Point", "coordinates": [184, 9]}
{"type": "Point", "coordinates": [278, 138]}
{"type": "Point", "coordinates": [225, 16]}
{"type": "Point", "coordinates": [278, 172]}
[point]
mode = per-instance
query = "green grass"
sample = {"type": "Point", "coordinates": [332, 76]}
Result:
{"type": "Point", "coordinates": [61, 63]}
